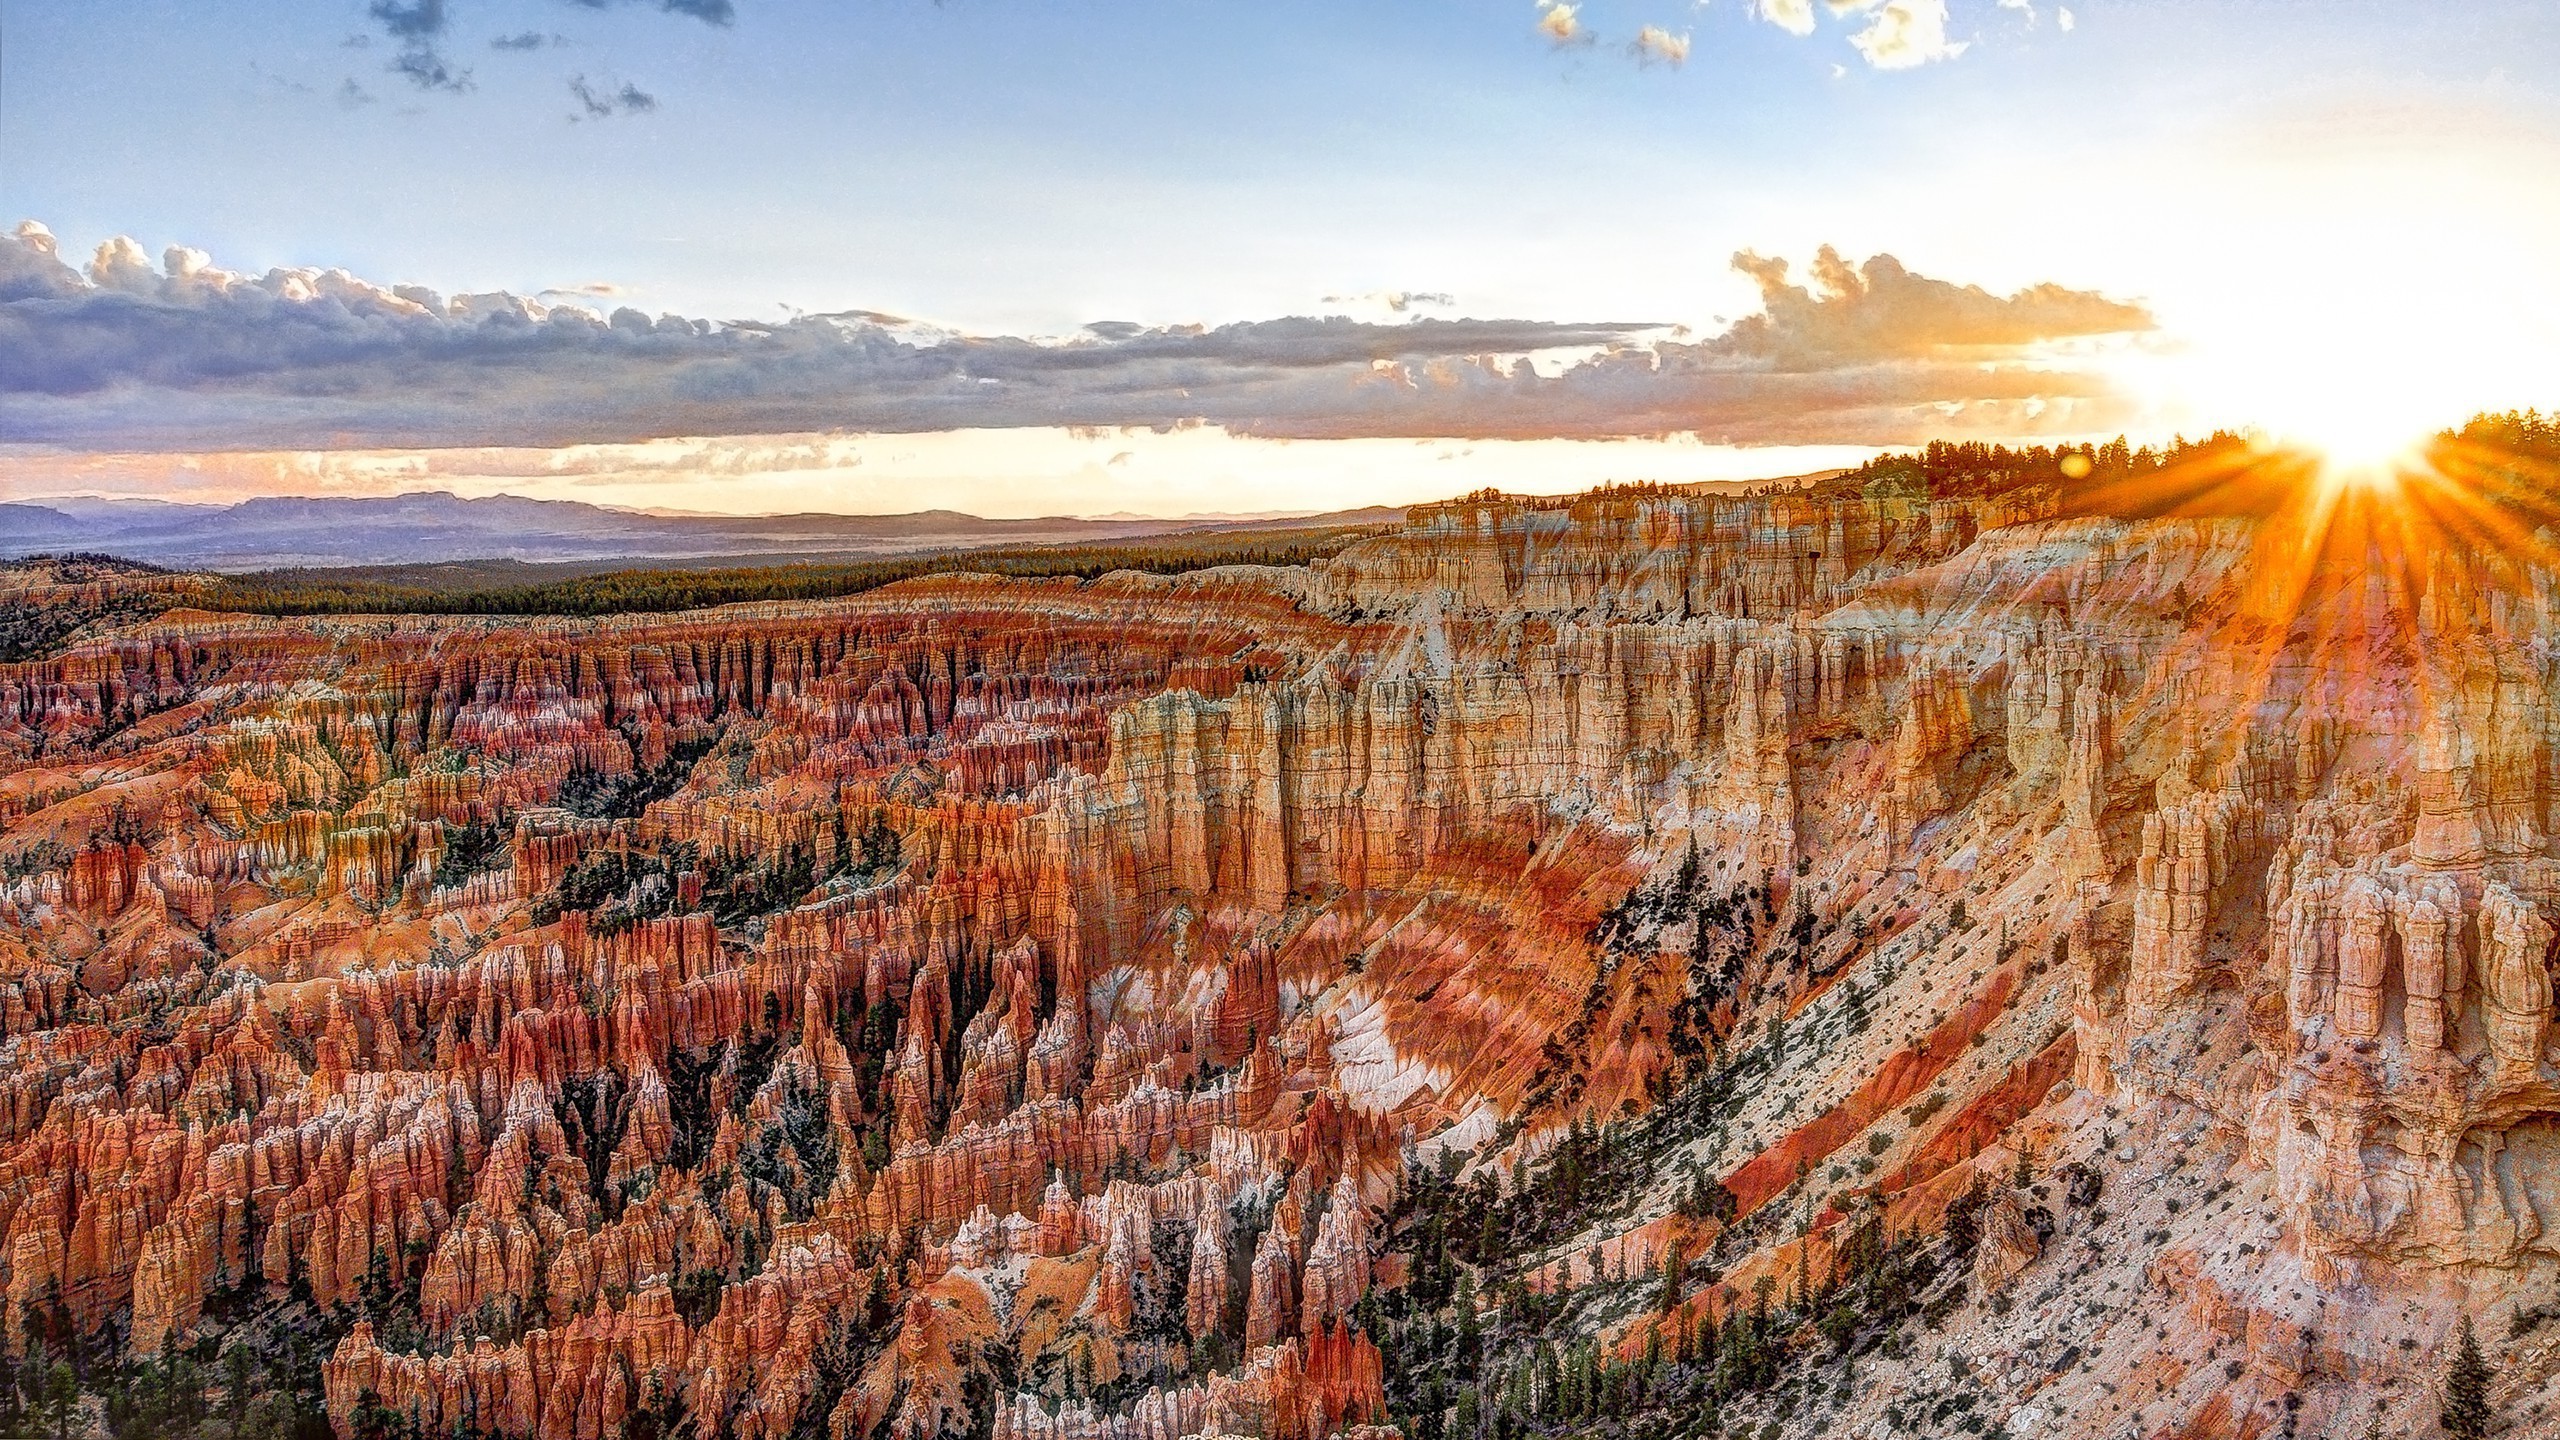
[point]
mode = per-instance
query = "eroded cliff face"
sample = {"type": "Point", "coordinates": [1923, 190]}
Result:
{"type": "Point", "coordinates": [1026, 1008]}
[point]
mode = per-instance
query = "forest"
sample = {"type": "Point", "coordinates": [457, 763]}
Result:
{"type": "Point", "coordinates": [2114, 478]}
{"type": "Point", "coordinates": [60, 599]}
{"type": "Point", "coordinates": [463, 590]}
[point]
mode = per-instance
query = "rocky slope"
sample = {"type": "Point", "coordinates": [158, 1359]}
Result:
{"type": "Point", "coordinates": [1648, 963]}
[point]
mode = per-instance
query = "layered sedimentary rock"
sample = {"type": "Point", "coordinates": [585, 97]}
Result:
{"type": "Point", "coordinates": [1024, 1004]}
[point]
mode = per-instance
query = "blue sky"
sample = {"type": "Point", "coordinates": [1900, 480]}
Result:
{"type": "Point", "coordinates": [1001, 167]}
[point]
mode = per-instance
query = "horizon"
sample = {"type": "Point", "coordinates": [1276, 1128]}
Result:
{"type": "Point", "coordinates": [48, 500]}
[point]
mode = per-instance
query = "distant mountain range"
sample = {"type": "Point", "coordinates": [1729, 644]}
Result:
{"type": "Point", "coordinates": [431, 525]}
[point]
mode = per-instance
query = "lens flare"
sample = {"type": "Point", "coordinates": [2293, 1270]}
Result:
{"type": "Point", "coordinates": [2362, 453]}
{"type": "Point", "coordinates": [2359, 434]}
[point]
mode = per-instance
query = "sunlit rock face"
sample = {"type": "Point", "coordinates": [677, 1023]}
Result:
{"type": "Point", "coordinates": [1023, 1007]}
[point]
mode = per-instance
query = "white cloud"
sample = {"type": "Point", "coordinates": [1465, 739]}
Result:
{"type": "Point", "coordinates": [1793, 16]}
{"type": "Point", "coordinates": [1905, 33]}
{"type": "Point", "coordinates": [121, 265]}
{"type": "Point", "coordinates": [2062, 17]}
{"type": "Point", "coordinates": [1655, 43]}
{"type": "Point", "coordinates": [1898, 34]}
{"type": "Point", "coordinates": [1557, 19]}
{"type": "Point", "coordinates": [1395, 302]}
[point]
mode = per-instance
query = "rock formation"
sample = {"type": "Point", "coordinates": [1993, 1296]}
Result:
{"type": "Point", "coordinates": [1039, 1005]}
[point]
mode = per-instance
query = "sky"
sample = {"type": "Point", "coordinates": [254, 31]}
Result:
{"type": "Point", "coordinates": [1027, 258]}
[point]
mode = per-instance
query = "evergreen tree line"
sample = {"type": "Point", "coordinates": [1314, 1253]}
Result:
{"type": "Point", "coordinates": [1962, 470]}
{"type": "Point", "coordinates": [2518, 434]}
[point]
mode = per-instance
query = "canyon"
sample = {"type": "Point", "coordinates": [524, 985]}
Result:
{"type": "Point", "coordinates": [1154, 1007]}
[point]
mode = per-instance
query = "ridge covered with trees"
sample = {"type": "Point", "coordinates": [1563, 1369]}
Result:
{"type": "Point", "coordinates": [62, 598]}
{"type": "Point", "coordinates": [659, 589]}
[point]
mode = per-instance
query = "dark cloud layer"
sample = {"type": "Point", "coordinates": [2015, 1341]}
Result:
{"type": "Point", "coordinates": [128, 355]}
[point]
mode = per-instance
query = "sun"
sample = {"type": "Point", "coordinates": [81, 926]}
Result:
{"type": "Point", "coordinates": [2356, 444]}
{"type": "Point", "coordinates": [2365, 431]}
{"type": "Point", "coordinates": [2363, 414]}
{"type": "Point", "coordinates": [2361, 458]}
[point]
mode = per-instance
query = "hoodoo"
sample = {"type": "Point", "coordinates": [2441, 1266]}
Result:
{"type": "Point", "coordinates": [1838, 962]}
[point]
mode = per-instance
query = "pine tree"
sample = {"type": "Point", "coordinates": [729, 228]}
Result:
{"type": "Point", "coordinates": [61, 1404]}
{"type": "Point", "coordinates": [1430, 1415]}
{"type": "Point", "coordinates": [2466, 1389]}
{"type": "Point", "coordinates": [1470, 1332]}
{"type": "Point", "coordinates": [1964, 1218]}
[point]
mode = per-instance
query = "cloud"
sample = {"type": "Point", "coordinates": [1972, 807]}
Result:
{"type": "Point", "coordinates": [428, 69]}
{"type": "Point", "coordinates": [1557, 19]}
{"type": "Point", "coordinates": [2062, 18]}
{"type": "Point", "coordinates": [1905, 33]}
{"type": "Point", "coordinates": [1898, 34]}
{"type": "Point", "coordinates": [420, 27]}
{"type": "Point", "coordinates": [410, 20]}
{"type": "Point", "coordinates": [130, 355]}
{"type": "Point", "coordinates": [1655, 43]}
{"type": "Point", "coordinates": [1397, 301]}
{"type": "Point", "coordinates": [1793, 16]}
{"type": "Point", "coordinates": [592, 289]}
{"type": "Point", "coordinates": [31, 267]}
{"type": "Point", "coordinates": [1881, 311]}
{"type": "Point", "coordinates": [709, 12]}
{"type": "Point", "coordinates": [601, 104]}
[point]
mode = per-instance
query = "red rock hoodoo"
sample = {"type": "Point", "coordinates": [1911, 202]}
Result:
{"type": "Point", "coordinates": [1055, 1010]}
